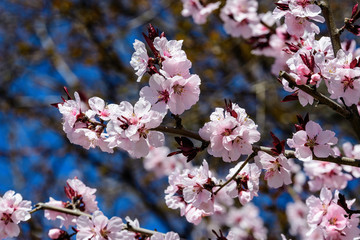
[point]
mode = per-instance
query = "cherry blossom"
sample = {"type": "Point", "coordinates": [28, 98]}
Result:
{"type": "Point", "coordinates": [296, 213]}
{"type": "Point", "coordinates": [99, 227]}
{"type": "Point", "coordinates": [170, 49]}
{"type": "Point", "coordinates": [168, 236]}
{"type": "Point", "coordinates": [238, 15]}
{"type": "Point", "coordinates": [13, 210]}
{"type": "Point", "coordinates": [230, 133]}
{"type": "Point", "coordinates": [198, 10]}
{"type": "Point", "coordinates": [130, 128]}
{"type": "Point", "coordinates": [81, 197]}
{"type": "Point", "coordinates": [325, 174]}
{"type": "Point", "coordinates": [277, 169]}
{"type": "Point", "coordinates": [312, 140]}
{"type": "Point", "coordinates": [297, 15]}
{"type": "Point", "coordinates": [246, 184]}
{"type": "Point", "coordinates": [192, 192]}
{"type": "Point", "coordinates": [352, 152]}
{"type": "Point", "coordinates": [245, 223]}
{"type": "Point", "coordinates": [139, 59]}
{"type": "Point", "coordinates": [332, 219]}
{"type": "Point", "coordinates": [160, 164]}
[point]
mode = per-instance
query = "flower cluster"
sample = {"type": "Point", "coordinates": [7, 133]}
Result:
{"type": "Point", "coordinates": [330, 218]}
{"type": "Point", "coordinates": [113, 125]}
{"type": "Point", "coordinates": [245, 223]}
{"type": "Point", "coordinates": [171, 86]}
{"type": "Point", "coordinates": [325, 174]}
{"type": "Point", "coordinates": [81, 198]}
{"type": "Point", "coordinates": [129, 128]}
{"type": "Point", "coordinates": [245, 185]}
{"type": "Point", "coordinates": [193, 192]}
{"type": "Point", "coordinates": [13, 210]}
{"type": "Point", "coordinates": [86, 226]}
{"type": "Point", "coordinates": [230, 132]}
{"type": "Point", "coordinates": [297, 15]}
{"type": "Point", "coordinates": [158, 162]}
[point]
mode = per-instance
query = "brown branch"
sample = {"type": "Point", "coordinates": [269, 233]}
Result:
{"type": "Point", "coordinates": [75, 212]}
{"type": "Point", "coordinates": [330, 23]}
{"type": "Point", "coordinates": [351, 115]}
{"type": "Point", "coordinates": [256, 148]}
{"type": "Point", "coordinates": [291, 154]}
{"type": "Point", "coordinates": [237, 172]}
{"type": "Point", "coordinates": [178, 131]}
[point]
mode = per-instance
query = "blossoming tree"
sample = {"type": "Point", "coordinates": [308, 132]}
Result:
{"type": "Point", "coordinates": [313, 66]}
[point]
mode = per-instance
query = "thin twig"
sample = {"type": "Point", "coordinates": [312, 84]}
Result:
{"type": "Point", "coordinates": [237, 172]}
{"type": "Point", "coordinates": [75, 212]}
{"type": "Point", "coordinates": [256, 148]}
{"type": "Point", "coordinates": [352, 116]}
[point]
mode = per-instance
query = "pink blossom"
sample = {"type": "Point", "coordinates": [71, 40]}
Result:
{"type": "Point", "coordinates": [184, 93]}
{"type": "Point", "coordinates": [245, 223]}
{"type": "Point", "coordinates": [139, 59]}
{"type": "Point", "coordinates": [198, 10]}
{"type": "Point", "coordinates": [13, 210]}
{"type": "Point", "coordinates": [297, 13]}
{"type": "Point", "coordinates": [130, 130]}
{"type": "Point", "coordinates": [346, 85]}
{"type": "Point", "coordinates": [312, 141]}
{"type": "Point", "coordinates": [80, 124]}
{"type": "Point", "coordinates": [326, 215]}
{"type": "Point", "coordinates": [169, 49]}
{"type": "Point", "coordinates": [99, 227]}
{"type": "Point", "coordinates": [81, 198]}
{"type": "Point", "coordinates": [325, 174]}
{"type": "Point", "coordinates": [160, 164]}
{"type": "Point", "coordinates": [65, 219]}
{"type": "Point", "coordinates": [238, 16]}
{"type": "Point", "coordinates": [192, 192]}
{"type": "Point", "coordinates": [246, 184]}
{"type": "Point", "coordinates": [167, 236]}
{"type": "Point", "coordinates": [230, 134]}
{"type": "Point", "coordinates": [296, 213]}
{"type": "Point", "coordinates": [100, 109]}
{"type": "Point", "coordinates": [77, 191]}
{"type": "Point", "coordinates": [56, 233]}
{"type": "Point", "coordinates": [352, 152]}
{"type": "Point", "coordinates": [277, 169]}
{"type": "Point", "coordinates": [334, 220]}
{"type": "Point", "coordinates": [71, 110]}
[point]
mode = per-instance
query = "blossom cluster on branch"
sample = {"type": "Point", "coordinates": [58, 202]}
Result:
{"type": "Point", "coordinates": [288, 34]}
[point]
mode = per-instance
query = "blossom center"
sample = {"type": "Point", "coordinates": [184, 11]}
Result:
{"type": "Point", "coordinates": [348, 83]}
{"type": "Point", "coordinates": [6, 218]}
{"type": "Point", "coordinates": [163, 96]}
{"type": "Point", "coordinates": [178, 89]}
{"type": "Point", "coordinates": [311, 142]}
{"type": "Point", "coordinates": [302, 3]}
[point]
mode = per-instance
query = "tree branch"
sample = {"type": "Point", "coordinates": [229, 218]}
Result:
{"type": "Point", "coordinates": [330, 23]}
{"type": "Point", "coordinates": [237, 172]}
{"type": "Point", "coordinates": [75, 212]}
{"type": "Point", "coordinates": [351, 115]}
{"type": "Point", "coordinates": [256, 148]}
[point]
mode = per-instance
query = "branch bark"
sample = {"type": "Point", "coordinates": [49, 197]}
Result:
{"type": "Point", "coordinates": [330, 23]}
{"type": "Point", "coordinates": [256, 148]}
{"type": "Point", "coordinates": [350, 114]}
{"type": "Point", "coordinates": [75, 212]}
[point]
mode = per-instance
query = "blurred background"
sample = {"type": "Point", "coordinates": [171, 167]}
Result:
{"type": "Point", "coordinates": [86, 45]}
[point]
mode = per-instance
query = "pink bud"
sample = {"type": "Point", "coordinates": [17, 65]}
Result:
{"type": "Point", "coordinates": [55, 233]}
{"type": "Point", "coordinates": [315, 78]}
